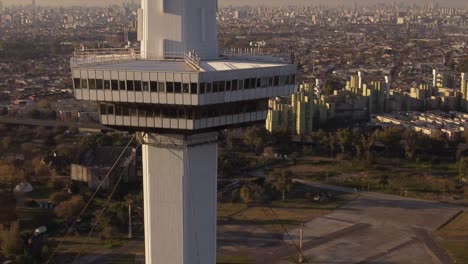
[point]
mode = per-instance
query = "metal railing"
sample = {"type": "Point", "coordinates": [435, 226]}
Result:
{"type": "Point", "coordinates": [91, 56]}
{"type": "Point", "coordinates": [243, 51]}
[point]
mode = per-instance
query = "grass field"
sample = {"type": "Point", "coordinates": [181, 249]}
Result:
{"type": "Point", "coordinates": [418, 180]}
{"type": "Point", "coordinates": [455, 238]}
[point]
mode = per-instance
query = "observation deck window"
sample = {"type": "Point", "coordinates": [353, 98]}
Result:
{"type": "Point", "coordinates": [99, 84]}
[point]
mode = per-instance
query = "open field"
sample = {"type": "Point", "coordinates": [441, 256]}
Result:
{"type": "Point", "coordinates": [390, 176]}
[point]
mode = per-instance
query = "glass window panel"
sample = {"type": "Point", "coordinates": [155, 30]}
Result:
{"type": "Point", "coordinates": [270, 81]}
{"type": "Point", "coordinates": [259, 83]}
{"type": "Point", "coordinates": [154, 87]}
{"type": "Point", "coordinates": [170, 87]}
{"type": "Point", "coordinates": [84, 84]}
{"type": "Point", "coordinates": [202, 88]}
{"type": "Point", "coordinates": [130, 85]}
{"type": "Point", "coordinates": [110, 109]}
{"type": "Point", "coordinates": [107, 84]}
{"type": "Point", "coordinates": [146, 87]}
{"type": "Point", "coordinates": [235, 84]}
{"type": "Point", "coordinates": [137, 86]}
{"type": "Point", "coordinates": [177, 87]}
{"type": "Point", "coordinates": [77, 83]}
{"type": "Point", "coordinates": [118, 110]}
{"type": "Point", "coordinates": [115, 85]}
{"type": "Point", "coordinates": [194, 88]}
{"type": "Point", "coordinates": [162, 87]}
{"type": "Point", "coordinates": [92, 84]}
{"type": "Point", "coordinates": [126, 111]}
{"type": "Point", "coordinates": [208, 87]}
{"type": "Point", "coordinates": [185, 88]}
{"type": "Point", "coordinates": [215, 87]}
{"type": "Point", "coordinates": [103, 109]}
{"type": "Point", "coordinates": [99, 84]}
{"type": "Point", "coordinates": [222, 86]}
{"type": "Point", "coordinates": [228, 85]}
{"type": "Point", "coordinates": [122, 86]}
{"type": "Point", "coordinates": [276, 81]}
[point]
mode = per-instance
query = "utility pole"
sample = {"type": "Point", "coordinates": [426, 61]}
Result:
{"type": "Point", "coordinates": [130, 233]}
{"type": "Point", "coordinates": [301, 233]}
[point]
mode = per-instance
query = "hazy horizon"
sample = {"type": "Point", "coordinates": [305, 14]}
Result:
{"type": "Point", "coordinates": [447, 3]}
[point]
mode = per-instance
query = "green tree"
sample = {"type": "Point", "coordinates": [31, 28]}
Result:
{"type": "Point", "coordinates": [344, 139]}
{"type": "Point", "coordinates": [390, 138]}
{"type": "Point", "coordinates": [463, 169]}
{"type": "Point", "coordinates": [70, 209]}
{"type": "Point", "coordinates": [281, 181]}
{"type": "Point", "coordinates": [10, 241]}
{"type": "Point", "coordinates": [254, 137]}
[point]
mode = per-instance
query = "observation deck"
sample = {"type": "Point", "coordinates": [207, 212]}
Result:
{"type": "Point", "coordinates": [180, 91]}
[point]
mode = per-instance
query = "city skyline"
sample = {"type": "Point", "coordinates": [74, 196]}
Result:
{"type": "Point", "coordinates": [223, 3]}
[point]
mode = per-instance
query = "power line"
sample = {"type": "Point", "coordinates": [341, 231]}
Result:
{"type": "Point", "coordinates": [90, 200]}
{"type": "Point", "coordinates": [289, 235]}
{"type": "Point", "coordinates": [104, 207]}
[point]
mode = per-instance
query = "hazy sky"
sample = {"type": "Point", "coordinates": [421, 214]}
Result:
{"type": "Point", "coordinates": [460, 3]}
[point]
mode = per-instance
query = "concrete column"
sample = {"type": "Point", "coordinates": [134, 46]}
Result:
{"type": "Point", "coordinates": [180, 189]}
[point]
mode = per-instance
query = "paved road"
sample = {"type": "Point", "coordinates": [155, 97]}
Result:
{"type": "Point", "coordinates": [392, 230]}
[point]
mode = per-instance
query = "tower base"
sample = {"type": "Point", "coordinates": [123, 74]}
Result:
{"type": "Point", "coordinates": [180, 194]}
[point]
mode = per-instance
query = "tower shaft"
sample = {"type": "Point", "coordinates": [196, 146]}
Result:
{"type": "Point", "coordinates": [180, 190]}
{"type": "Point", "coordinates": [171, 28]}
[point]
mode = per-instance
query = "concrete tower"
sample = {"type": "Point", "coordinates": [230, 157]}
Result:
{"type": "Point", "coordinates": [388, 82]}
{"type": "Point", "coordinates": [360, 76]}
{"type": "Point", "coordinates": [171, 28]}
{"type": "Point", "coordinates": [176, 93]}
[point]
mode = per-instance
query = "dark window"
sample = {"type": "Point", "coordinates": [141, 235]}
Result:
{"type": "Point", "coordinates": [270, 81]}
{"type": "Point", "coordinates": [138, 86]}
{"type": "Point", "coordinates": [253, 82]}
{"type": "Point", "coordinates": [181, 114]}
{"type": "Point", "coordinates": [259, 83]}
{"type": "Point", "coordinates": [247, 84]}
{"type": "Point", "coordinates": [92, 84]}
{"type": "Point", "coordinates": [165, 113]}
{"type": "Point", "coordinates": [172, 113]}
{"type": "Point", "coordinates": [194, 88]}
{"type": "Point", "coordinates": [293, 79]}
{"type": "Point", "coordinates": [126, 111]}
{"type": "Point", "coordinates": [162, 87]}
{"type": "Point", "coordinates": [281, 81]}
{"type": "Point", "coordinates": [222, 86]}
{"type": "Point", "coordinates": [84, 84]}
{"type": "Point", "coordinates": [146, 87]}
{"type": "Point", "coordinates": [288, 80]}
{"type": "Point", "coordinates": [189, 114]}
{"type": "Point", "coordinates": [202, 88]}
{"type": "Point", "coordinates": [170, 87]}
{"type": "Point", "coordinates": [177, 87]}
{"type": "Point", "coordinates": [276, 81]}
{"type": "Point", "coordinates": [142, 112]}
{"type": "Point", "coordinates": [122, 86]}
{"type": "Point", "coordinates": [99, 84]}
{"type": "Point", "coordinates": [133, 111]}
{"type": "Point", "coordinates": [118, 110]}
{"type": "Point", "coordinates": [228, 85]}
{"type": "Point", "coordinates": [130, 86]}
{"type": "Point", "coordinates": [107, 84]}
{"type": "Point", "coordinates": [215, 87]}
{"type": "Point", "coordinates": [110, 109]}
{"type": "Point", "coordinates": [235, 84]}
{"type": "Point", "coordinates": [241, 85]}
{"type": "Point", "coordinates": [185, 88]}
{"type": "Point", "coordinates": [77, 83]}
{"type": "Point", "coordinates": [115, 85]}
{"type": "Point", "coordinates": [154, 87]}
{"type": "Point", "coordinates": [157, 112]}
{"type": "Point", "coordinates": [208, 87]}
{"type": "Point", "coordinates": [103, 109]}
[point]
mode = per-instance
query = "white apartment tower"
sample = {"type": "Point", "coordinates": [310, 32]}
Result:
{"type": "Point", "coordinates": [176, 93]}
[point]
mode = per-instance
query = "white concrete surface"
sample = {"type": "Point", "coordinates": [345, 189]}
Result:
{"type": "Point", "coordinates": [179, 183]}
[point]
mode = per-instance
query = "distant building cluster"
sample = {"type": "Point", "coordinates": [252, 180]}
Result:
{"type": "Point", "coordinates": [434, 123]}
{"type": "Point", "coordinates": [309, 108]}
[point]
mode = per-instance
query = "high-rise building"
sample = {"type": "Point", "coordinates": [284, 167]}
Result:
{"type": "Point", "coordinates": [176, 93]}
{"type": "Point", "coordinates": [464, 90]}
